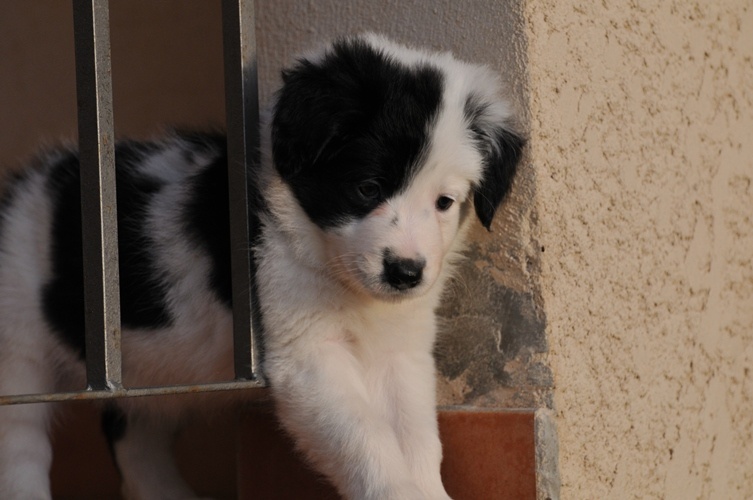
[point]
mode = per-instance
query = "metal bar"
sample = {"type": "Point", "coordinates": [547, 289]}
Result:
{"type": "Point", "coordinates": [99, 210]}
{"type": "Point", "coordinates": [242, 112]}
{"type": "Point", "coordinates": [89, 395]}
{"type": "Point", "coordinates": [98, 196]}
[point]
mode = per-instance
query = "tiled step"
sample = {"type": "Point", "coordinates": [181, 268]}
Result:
{"type": "Point", "coordinates": [82, 468]}
{"type": "Point", "coordinates": [488, 455]}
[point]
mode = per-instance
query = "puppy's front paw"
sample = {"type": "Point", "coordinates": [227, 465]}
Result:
{"type": "Point", "coordinates": [413, 492]}
{"type": "Point", "coordinates": [436, 496]}
{"type": "Point", "coordinates": [435, 493]}
{"type": "Point", "coordinates": [408, 491]}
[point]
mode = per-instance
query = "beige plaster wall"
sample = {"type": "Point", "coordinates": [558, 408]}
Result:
{"type": "Point", "coordinates": [642, 142]}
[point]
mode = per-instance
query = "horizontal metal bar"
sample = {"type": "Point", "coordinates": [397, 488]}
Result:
{"type": "Point", "coordinates": [88, 395]}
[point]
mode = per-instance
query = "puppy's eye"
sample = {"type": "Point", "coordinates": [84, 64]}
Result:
{"type": "Point", "coordinates": [370, 190]}
{"type": "Point", "coordinates": [444, 203]}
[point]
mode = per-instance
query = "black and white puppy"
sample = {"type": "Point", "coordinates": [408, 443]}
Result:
{"type": "Point", "coordinates": [374, 158]}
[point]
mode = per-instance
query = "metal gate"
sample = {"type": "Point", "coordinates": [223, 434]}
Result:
{"type": "Point", "coordinates": [99, 211]}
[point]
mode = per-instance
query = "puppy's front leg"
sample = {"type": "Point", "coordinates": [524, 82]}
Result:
{"type": "Point", "coordinates": [413, 396]}
{"type": "Point", "coordinates": [324, 402]}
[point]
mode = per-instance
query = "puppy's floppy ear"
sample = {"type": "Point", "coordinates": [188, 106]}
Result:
{"type": "Point", "coordinates": [501, 147]}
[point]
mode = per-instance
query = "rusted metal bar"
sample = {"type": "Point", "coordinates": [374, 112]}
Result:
{"type": "Point", "coordinates": [242, 112]}
{"type": "Point", "coordinates": [98, 196]}
{"type": "Point", "coordinates": [88, 395]}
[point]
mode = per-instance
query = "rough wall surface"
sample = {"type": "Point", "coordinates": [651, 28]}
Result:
{"type": "Point", "coordinates": [642, 127]}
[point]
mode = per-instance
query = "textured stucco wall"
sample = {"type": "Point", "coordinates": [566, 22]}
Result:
{"type": "Point", "coordinates": [642, 141]}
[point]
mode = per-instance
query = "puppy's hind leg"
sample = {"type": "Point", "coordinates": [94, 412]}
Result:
{"type": "Point", "coordinates": [142, 446]}
{"type": "Point", "coordinates": [25, 452]}
{"type": "Point", "coordinates": [25, 449]}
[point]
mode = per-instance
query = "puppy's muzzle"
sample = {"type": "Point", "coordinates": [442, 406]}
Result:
{"type": "Point", "coordinates": [401, 273]}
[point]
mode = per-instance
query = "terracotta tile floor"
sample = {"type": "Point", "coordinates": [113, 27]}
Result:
{"type": "Point", "coordinates": [488, 455]}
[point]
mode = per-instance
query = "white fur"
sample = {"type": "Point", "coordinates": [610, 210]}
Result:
{"type": "Point", "coordinates": [349, 360]}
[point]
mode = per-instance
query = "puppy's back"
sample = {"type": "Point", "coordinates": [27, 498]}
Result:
{"type": "Point", "coordinates": [170, 193]}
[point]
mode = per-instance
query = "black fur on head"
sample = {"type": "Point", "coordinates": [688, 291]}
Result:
{"type": "Point", "coordinates": [502, 148]}
{"type": "Point", "coordinates": [357, 118]}
{"type": "Point", "coordinates": [351, 118]}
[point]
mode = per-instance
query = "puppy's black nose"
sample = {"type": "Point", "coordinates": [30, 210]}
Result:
{"type": "Point", "coordinates": [403, 274]}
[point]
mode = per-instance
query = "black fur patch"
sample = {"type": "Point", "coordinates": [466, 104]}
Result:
{"type": "Point", "coordinates": [142, 295]}
{"type": "Point", "coordinates": [207, 213]}
{"type": "Point", "coordinates": [354, 120]}
{"type": "Point", "coordinates": [502, 149]}
{"type": "Point", "coordinates": [114, 424]}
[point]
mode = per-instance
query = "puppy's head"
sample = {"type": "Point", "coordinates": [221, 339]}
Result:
{"type": "Point", "coordinates": [385, 150]}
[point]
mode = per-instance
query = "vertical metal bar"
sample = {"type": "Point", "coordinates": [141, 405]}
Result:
{"type": "Point", "coordinates": [98, 197]}
{"type": "Point", "coordinates": [242, 112]}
